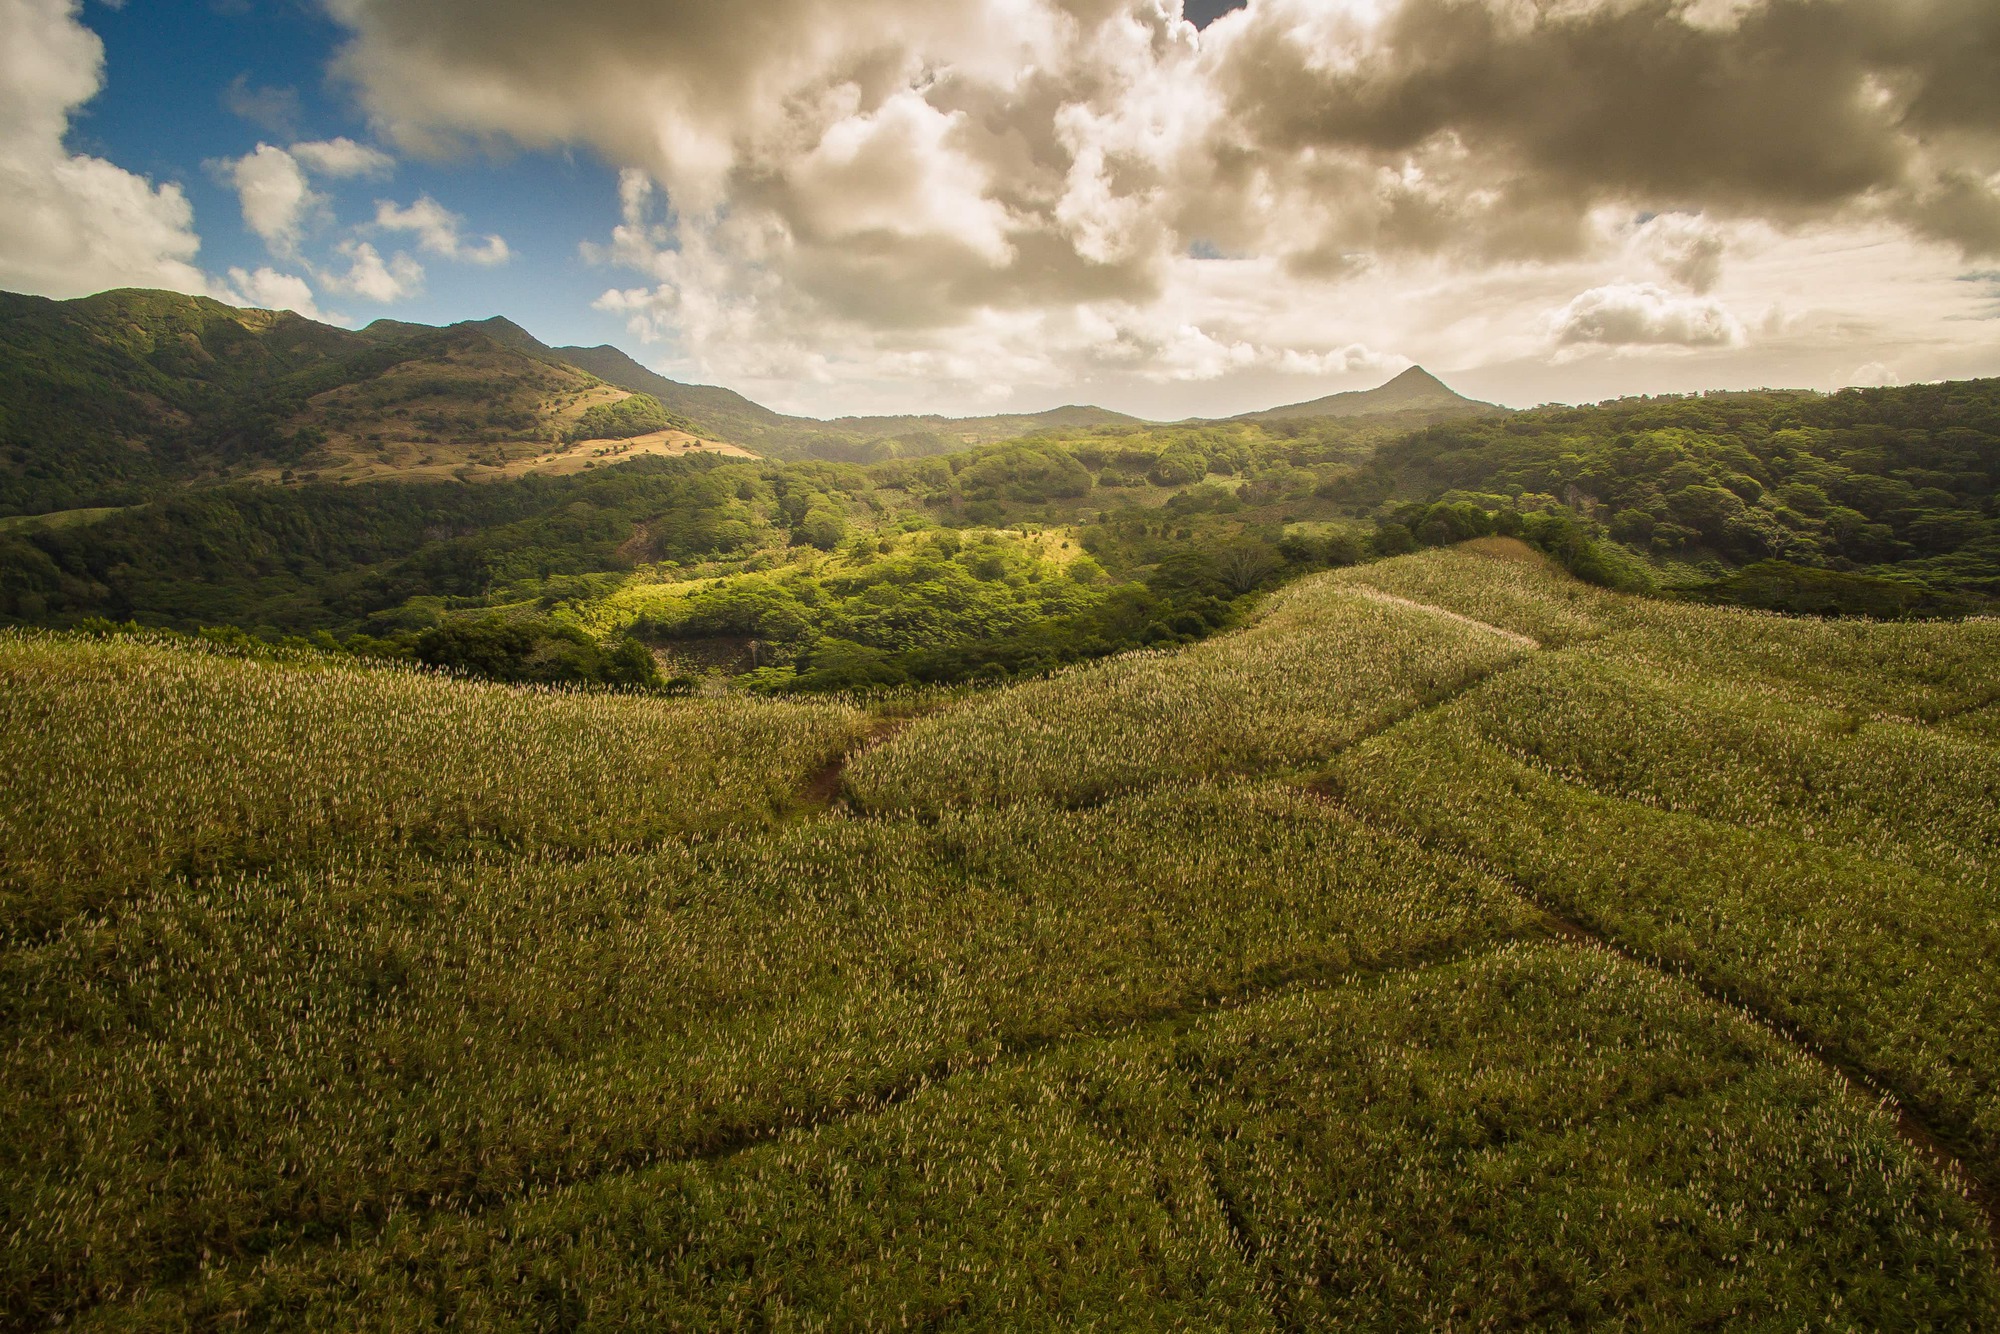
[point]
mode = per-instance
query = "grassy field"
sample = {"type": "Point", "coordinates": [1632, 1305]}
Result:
{"type": "Point", "coordinates": [1327, 664]}
{"type": "Point", "coordinates": [124, 762]}
{"type": "Point", "coordinates": [1248, 986]}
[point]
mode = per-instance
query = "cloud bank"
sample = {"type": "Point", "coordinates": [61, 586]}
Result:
{"type": "Point", "coordinates": [73, 224]}
{"type": "Point", "coordinates": [882, 188]}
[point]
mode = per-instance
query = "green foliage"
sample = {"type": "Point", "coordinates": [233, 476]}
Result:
{"type": "Point", "coordinates": [1327, 662]}
{"type": "Point", "coordinates": [534, 652]}
{"type": "Point", "coordinates": [1178, 466]}
{"type": "Point", "coordinates": [822, 526]}
{"type": "Point", "coordinates": [1761, 802]}
{"type": "Point", "coordinates": [1800, 590]}
{"type": "Point", "coordinates": [640, 414]}
{"type": "Point", "coordinates": [1210, 987]}
{"type": "Point", "coordinates": [1025, 474]}
{"type": "Point", "coordinates": [950, 608]}
{"type": "Point", "coordinates": [1893, 481]}
{"type": "Point", "coordinates": [124, 761]}
{"type": "Point", "coordinates": [336, 558]}
{"type": "Point", "coordinates": [1535, 1138]}
{"type": "Point", "coordinates": [535, 1023]}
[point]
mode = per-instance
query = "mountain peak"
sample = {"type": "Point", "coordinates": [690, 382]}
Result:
{"type": "Point", "coordinates": [1415, 390]}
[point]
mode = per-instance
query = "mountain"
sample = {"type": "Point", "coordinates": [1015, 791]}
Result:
{"type": "Point", "coordinates": [1415, 390]}
{"type": "Point", "coordinates": [730, 416]}
{"type": "Point", "coordinates": [114, 398]}
{"type": "Point", "coordinates": [722, 411]}
{"type": "Point", "coordinates": [111, 398]}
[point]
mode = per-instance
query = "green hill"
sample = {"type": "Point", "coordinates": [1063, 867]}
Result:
{"type": "Point", "coordinates": [129, 395]}
{"type": "Point", "coordinates": [116, 398]}
{"type": "Point", "coordinates": [1456, 944]}
{"type": "Point", "coordinates": [812, 575]}
{"type": "Point", "coordinates": [724, 412]}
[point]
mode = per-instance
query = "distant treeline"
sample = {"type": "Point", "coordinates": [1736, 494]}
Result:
{"type": "Point", "coordinates": [1878, 503]}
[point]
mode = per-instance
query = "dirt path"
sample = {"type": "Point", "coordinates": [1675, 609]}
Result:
{"type": "Point", "coordinates": [822, 790]}
{"type": "Point", "coordinates": [1909, 1127]}
{"type": "Point", "coordinates": [1377, 595]}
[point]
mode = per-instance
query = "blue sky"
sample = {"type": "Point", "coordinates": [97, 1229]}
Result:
{"type": "Point", "coordinates": [861, 206]}
{"type": "Point", "coordinates": [198, 59]}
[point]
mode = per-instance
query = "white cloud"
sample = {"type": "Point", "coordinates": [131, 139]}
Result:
{"type": "Point", "coordinates": [369, 275]}
{"type": "Point", "coordinates": [276, 200]}
{"type": "Point", "coordinates": [1687, 248]}
{"type": "Point", "coordinates": [267, 289]}
{"type": "Point", "coordinates": [437, 230]}
{"type": "Point", "coordinates": [73, 224]}
{"type": "Point", "coordinates": [341, 158]}
{"type": "Point", "coordinates": [1645, 315]}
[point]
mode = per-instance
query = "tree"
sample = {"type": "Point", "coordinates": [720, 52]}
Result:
{"type": "Point", "coordinates": [823, 526]}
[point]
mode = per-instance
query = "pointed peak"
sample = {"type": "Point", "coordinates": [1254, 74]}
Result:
{"type": "Point", "coordinates": [506, 333]}
{"type": "Point", "coordinates": [1415, 390]}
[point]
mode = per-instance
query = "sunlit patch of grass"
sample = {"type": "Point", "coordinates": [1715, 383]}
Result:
{"type": "Point", "coordinates": [124, 761]}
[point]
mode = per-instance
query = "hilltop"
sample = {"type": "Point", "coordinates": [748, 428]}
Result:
{"type": "Point", "coordinates": [111, 398]}
{"type": "Point", "coordinates": [1416, 390]}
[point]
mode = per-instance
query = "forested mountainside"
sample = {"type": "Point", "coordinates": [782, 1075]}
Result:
{"type": "Point", "coordinates": [129, 395]}
{"type": "Point", "coordinates": [120, 397]}
{"type": "Point", "coordinates": [1015, 558]}
{"type": "Point", "coordinates": [1456, 945]}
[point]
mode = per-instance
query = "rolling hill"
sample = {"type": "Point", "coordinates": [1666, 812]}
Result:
{"type": "Point", "coordinates": [112, 398]}
{"type": "Point", "coordinates": [732, 417]}
{"type": "Point", "coordinates": [119, 397]}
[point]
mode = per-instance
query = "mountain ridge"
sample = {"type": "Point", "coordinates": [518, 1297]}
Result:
{"type": "Point", "coordinates": [109, 398]}
{"type": "Point", "coordinates": [713, 403]}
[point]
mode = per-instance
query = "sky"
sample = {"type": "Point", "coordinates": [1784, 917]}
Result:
{"type": "Point", "coordinates": [1167, 207]}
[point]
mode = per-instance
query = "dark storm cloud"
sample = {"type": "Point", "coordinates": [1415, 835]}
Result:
{"type": "Point", "coordinates": [1787, 109]}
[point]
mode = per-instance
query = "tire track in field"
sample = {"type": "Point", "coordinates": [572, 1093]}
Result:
{"type": "Point", "coordinates": [728, 1141]}
{"type": "Point", "coordinates": [1910, 1128]}
{"type": "Point", "coordinates": [1863, 1082]}
{"type": "Point", "coordinates": [1374, 594]}
{"type": "Point", "coordinates": [823, 790]}
{"type": "Point", "coordinates": [1871, 1087]}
